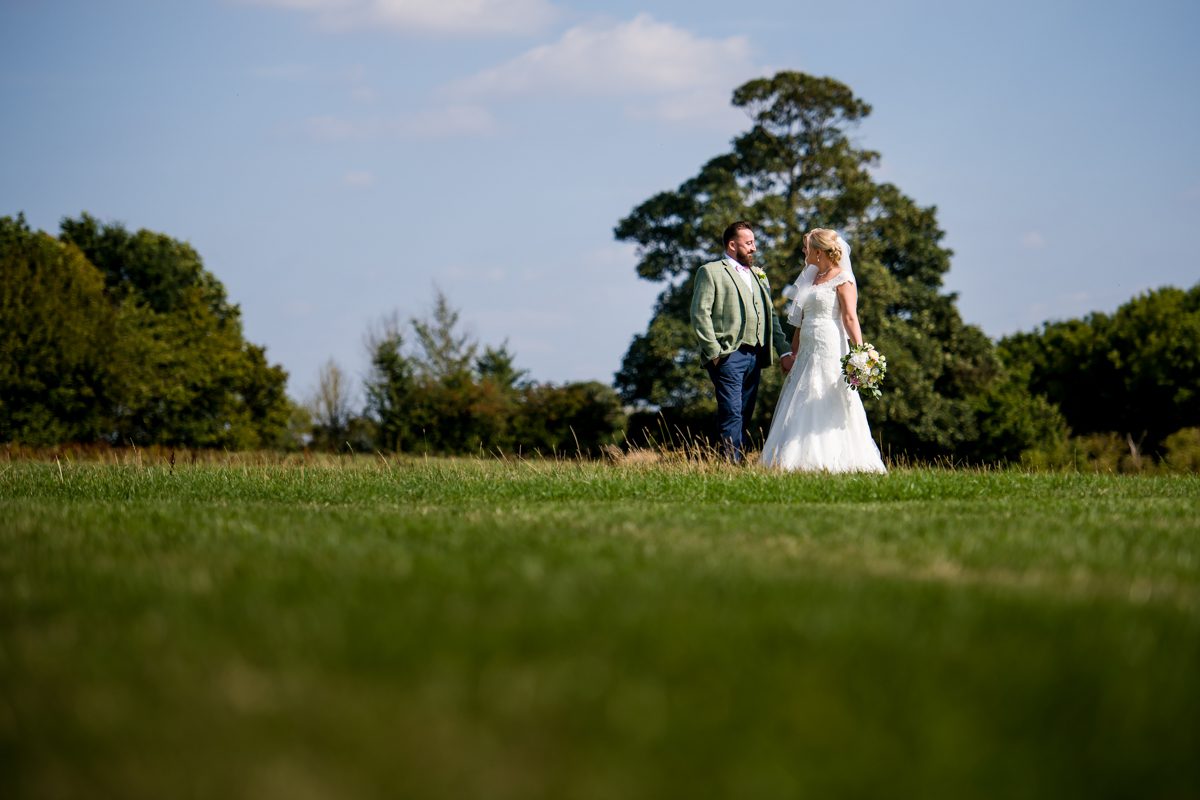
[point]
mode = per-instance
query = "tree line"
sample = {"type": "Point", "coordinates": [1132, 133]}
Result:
{"type": "Point", "coordinates": [108, 335]}
{"type": "Point", "coordinates": [1127, 384]}
{"type": "Point", "coordinates": [124, 338]}
{"type": "Point", "coordinates": [431, 387]}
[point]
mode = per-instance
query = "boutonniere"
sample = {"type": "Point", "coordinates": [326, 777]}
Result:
{"type": "Point", "coordinates": [758, 273]}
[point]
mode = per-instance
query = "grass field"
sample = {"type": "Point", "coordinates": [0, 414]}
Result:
{"type": "Point", "coordinates": [459, 629]}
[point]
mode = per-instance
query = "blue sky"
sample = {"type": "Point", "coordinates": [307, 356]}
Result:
{"type": "Point", "coordinates": [335, 160]}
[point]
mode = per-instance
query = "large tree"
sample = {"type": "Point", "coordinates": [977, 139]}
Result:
{"type": "Point", "coordinates": [56, 338]}
{"type": "Point", "coordinates": [797, 168]}
{"type": "Point", "coordinates": [125, 337]}
{"type": "Point", "coordinates": [188, 375]}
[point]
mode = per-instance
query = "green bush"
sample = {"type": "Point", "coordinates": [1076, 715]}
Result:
{"type": "Point", "coordinates": [1183, 450]}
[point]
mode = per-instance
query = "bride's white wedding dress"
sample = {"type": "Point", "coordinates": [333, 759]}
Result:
{"type": "Point", "coordinates": [819, 422]}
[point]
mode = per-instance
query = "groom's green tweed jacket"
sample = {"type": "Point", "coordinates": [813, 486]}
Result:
{"type": "Point", "coordinates": [726, 314]}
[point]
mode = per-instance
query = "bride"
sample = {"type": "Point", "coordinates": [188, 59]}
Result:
{"type": "Point", "coordinates": [819, 422]}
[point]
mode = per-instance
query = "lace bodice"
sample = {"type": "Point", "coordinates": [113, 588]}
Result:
{"type": "Point", "coordinates": [820, 328]}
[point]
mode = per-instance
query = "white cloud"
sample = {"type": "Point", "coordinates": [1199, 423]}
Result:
{"type": "Point", "coordinates": [665, 71]}
{"type": "Point", "coordinates": [354, 79]}
{"type": "Point", "coordinates": [461, 120]}
{"type": "Point", "coordinates": [282, 72]}
{"type": "Point", "coordinates": [1033, 240]}
{"type": "Point", "coordinates": [359, 178]}
{"type": "Point", "coordinates": [329, 129]}
{"type": "Point", "coordinates": [445, 17]}
{"type": "Point", "coordinates": [303, 5]}
{"type": "Point", "coordinates": [436, 123]}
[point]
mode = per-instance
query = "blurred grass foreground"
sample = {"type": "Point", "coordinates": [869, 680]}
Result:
{"type": "Point", "coordinates": [460, 629]}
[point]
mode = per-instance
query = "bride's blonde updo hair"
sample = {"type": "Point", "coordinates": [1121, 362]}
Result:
{"type": "Point", "coordinates": [826, 241]}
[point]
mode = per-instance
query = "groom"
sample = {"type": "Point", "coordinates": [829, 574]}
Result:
{"type": "Point", "coordinates": [736, 324]}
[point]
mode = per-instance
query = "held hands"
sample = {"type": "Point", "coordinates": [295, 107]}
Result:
{"type": "Point", "coordinates": [786, 362]}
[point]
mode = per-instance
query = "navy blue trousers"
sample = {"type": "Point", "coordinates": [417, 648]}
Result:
{"type": "Point", "coordinates": [736, 381]}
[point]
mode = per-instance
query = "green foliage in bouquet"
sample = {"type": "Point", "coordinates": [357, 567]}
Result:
{"type": "Point", "coordinates": [864, 369]}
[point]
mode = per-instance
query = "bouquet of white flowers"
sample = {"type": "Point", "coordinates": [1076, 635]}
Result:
{"type": "Point", "coordinates": [864, 368]}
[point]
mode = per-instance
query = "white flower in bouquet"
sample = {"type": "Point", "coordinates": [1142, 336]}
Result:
{"type": "Point", "coordinates": [864, 369]}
